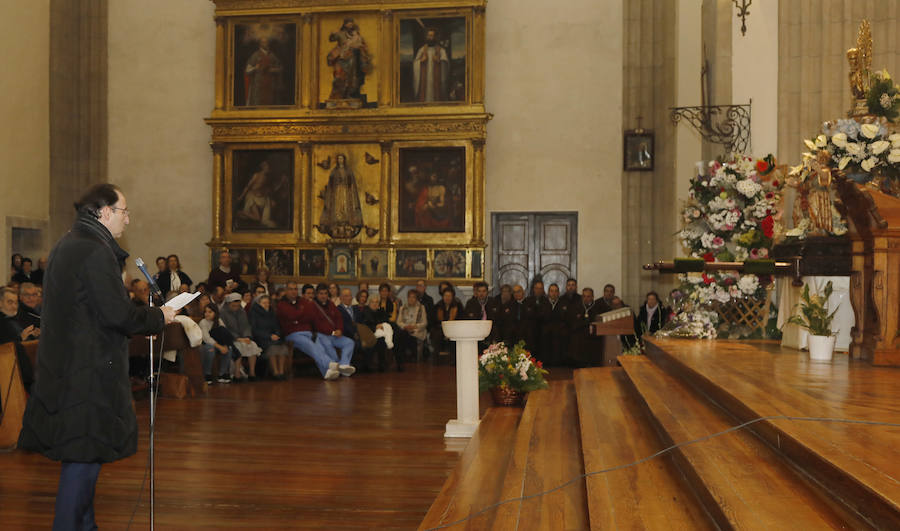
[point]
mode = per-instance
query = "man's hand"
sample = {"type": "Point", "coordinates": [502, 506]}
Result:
{"type": "Point", "coordinates": [337, 333]}
{"type": "Point", "coordinates": [30, 329]}
{"type": "Point", "coordinates": [168, 313]}
{"type": "Point", "coordinates": [222, 348]}
{"type": "Point", "coordinates": [244, 339]}
{"type": "Point", "coordinates": [275, 337]}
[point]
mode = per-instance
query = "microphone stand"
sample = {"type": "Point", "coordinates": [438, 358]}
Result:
{"type": "Point", "coordinates": [152, 424]}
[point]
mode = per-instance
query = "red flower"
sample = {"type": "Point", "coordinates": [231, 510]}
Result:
{"type": "Point", "coordinates": [768, 226]}
{"type": "Point", "coordinates": [708, 257]}
{"type": "Point", "coordinates": [708, 280]}
{"type": "Point", "coordinates": [539, 365]}
{"type": "Point", "coordinates": [762, 166]}
{"type": "Point", "coordinates": [775, 183]}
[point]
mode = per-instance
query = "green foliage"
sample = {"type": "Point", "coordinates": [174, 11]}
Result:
{"type": "Point", "coordinates": [499, 366]}
{"type": "Point", "coordinates": [883, 99]}
{"type": "Point", "coordinates": [813, 314]}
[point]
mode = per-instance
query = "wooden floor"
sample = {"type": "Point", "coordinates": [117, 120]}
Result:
{"type": "Point", "coordinates": [359, 453]}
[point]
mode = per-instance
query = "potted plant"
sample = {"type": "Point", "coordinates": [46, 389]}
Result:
{"type": "Point", "coordinates": [510, 373]}
{"type": "Point", "coordinates": [815, 318]}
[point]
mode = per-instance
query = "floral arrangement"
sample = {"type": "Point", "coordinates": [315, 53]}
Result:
{"type": "Point", "coordinates": [883, 98]}
{"type": "Point", "coordinates": [500, 366]}
{"type": "Point", "coordinates": [694, 324]}
{"type": "Point", "coordinates": [732, 214]}
{"type": "Point", "coordinates": [813, 314]}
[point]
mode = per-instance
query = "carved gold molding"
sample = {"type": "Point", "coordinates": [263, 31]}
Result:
{"type": "Point", "coordinates": [224, 130]}
{"type": "Point", "coordinates": [233, 7]}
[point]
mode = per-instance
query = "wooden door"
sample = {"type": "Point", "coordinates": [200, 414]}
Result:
{"type": "Point", "coordinates": [529, 243]}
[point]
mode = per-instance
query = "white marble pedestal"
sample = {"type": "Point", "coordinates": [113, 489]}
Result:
{"type": "Point", "coordinates": [466, 334]}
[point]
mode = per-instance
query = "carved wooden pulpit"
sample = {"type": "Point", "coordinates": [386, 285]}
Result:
{"type": "Point", "coordinates": [874, 228]}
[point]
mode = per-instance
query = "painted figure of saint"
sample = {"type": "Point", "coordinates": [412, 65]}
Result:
{"type": "Point", "coordinates": [262, 76]}
{"type": "Point", "coordinates": [431, 70]}
{"type": "Point", "coordinates": [431, 205]}
{"type": "Point", "coordinates": [351, 61]}
{"type": "Point", "coordinates": [342, 214]}
{"type": "Point", "coordinates": [257, 198]}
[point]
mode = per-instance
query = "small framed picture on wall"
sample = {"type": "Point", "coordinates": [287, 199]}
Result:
{"type": "Point", "coordinates": [639, 147]}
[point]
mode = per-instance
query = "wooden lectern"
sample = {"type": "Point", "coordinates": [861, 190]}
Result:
{"type": "Point", "coordinates": [874, 228]}
{"type": "Point", "coordinates": [611, 325]}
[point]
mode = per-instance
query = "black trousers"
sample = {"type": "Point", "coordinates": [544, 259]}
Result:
{"type": "Point", "coordinates": [75, 497]}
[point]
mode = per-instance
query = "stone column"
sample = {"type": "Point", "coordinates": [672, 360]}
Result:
{"type": "Point", "coordinates": [466, 334]}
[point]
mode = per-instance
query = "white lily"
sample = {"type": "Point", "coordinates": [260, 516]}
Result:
{"type": "Point", "coordinates": [879, 147]}
{"type": "Point", "coordinates": [843, 162]}
{"type": "Point", "coordinates": [821, 141]}
{"type": "Point", "coordinates": [794, 170]}
{"type": "Point", "coordinates": [894, 156]}
{"type": "Point", "coordinates": [854, 148]}
{"type": "Point", "coordinates": [869, 163]}
{"type": "Point", "coordinates": [869, 131]}
{"type": "Point", "coordinates": [895, 140]}
{"type": "Point", "coordinates": [809, 143]}
{"type": "Point", "coordinates": [839, 140]}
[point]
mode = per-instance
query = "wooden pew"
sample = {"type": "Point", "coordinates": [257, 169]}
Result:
{"type": "Point", "coordinates": [12, 395]}
{"type": "Point", "coordinates": [31, 349]}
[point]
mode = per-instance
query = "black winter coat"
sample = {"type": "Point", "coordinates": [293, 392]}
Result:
{"type": "Point", "coordinates": [263, 323]}
{"type": "Point", "coordinates": [80, 408]}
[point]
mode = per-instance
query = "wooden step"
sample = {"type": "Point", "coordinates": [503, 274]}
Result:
{"type": "Point", "coordinates": [858, 465]}
{"type": "Point", "coordinates": [477, 480]}
{"type": "Point", "coordinates": [741, 481]}
{"type": "Point", "coordinates": [546, 454]}
{"type": "Point", "coordinates": [615, 430]}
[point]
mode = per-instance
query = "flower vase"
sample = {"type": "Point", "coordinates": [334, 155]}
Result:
{"type": "Point", "coordinates": [508, 397]}
{"type": "Point", "coordinates": [821, 348]}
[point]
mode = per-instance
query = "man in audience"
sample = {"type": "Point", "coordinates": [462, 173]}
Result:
{"type": "Point", "coordinates": [218, 297]}
{"type": "Point", "coordinates": [412, 322]}
{"type": "Point", "coordinates": [426, 300]}
{"type": "Point", "coordinates": [295, 314]}
{"type": "Point", "coordinates": [12, 331]}
{"type": "Point", "coordinates": [329, 325]}
{"type": "Point", "coordinates": [28, 314]}
{"type": "Point", "coordinates": [585, 349]}
{"type": "Point", "coordinates": [37, 277]}
{"type": "Point", "coordinates": [628, 341]}
{"type": "Point", "coordinates": [540, 309]}
{"type": "Point", "coordinates": [571, 296]}
{"type": "Point", "coordinates": [26, 274]}
{"type": "Point", "coordinates": [141, 291]}
{"type": "Point", "coordinates": [348, 313]}
{"type": "Point", "coordinates": [609, 291]}
{"type": "Point", "coordinates": [309, 292]}
{"type": "Point", "coordinates": [522, 316]}
{"type": "Point", "coordinates": [554, 328]}
{"type": "Point", "coordinates": [503, 317]}
{"type": "Point", "coordinates": [224, 275]}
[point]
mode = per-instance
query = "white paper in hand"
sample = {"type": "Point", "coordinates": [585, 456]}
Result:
{"type": "Point", "coordinates": [181, 300]}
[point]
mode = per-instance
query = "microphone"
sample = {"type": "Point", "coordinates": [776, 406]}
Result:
{"type": "Point", "coordinates": [154, 288]}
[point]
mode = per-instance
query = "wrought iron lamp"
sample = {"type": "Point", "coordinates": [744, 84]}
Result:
{"type": "Point", "coordinates": [743, 12]}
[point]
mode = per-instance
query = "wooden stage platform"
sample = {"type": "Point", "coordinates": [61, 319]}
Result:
{"type": "Point", "coordinates": [831, 465]}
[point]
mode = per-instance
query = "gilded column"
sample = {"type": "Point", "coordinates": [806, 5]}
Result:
{"type": "Point", "coordinates": [477, 36]}
{"type": "Point", "coordinates": [305, 190]}
{"type": "Point", "coordinates": [306, 59]}
{"type": "Point", "coordinates": [478, 193]}
{"type": "Point", "coordinates": [385, 192]}
{"type": "Point", "coordinates": [386, 61]}
{"type": "Point", "coordinates": [218, 180]}
{"type": "Point", "coordinates": [221, 54]}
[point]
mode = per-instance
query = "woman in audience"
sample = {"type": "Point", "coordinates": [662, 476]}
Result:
{"type": "Point", "coordinates": [267, 334]}
{"type": "Point", "coordinates": [247, 301]}
{"type": "Point", "coordinates": [236, 321]}
{"type": "Point", "coordinates": [387, 305]}
{"type": "Point", "coordinates": [161, 267]}
{"type": "Point", "coordinates": [411, 321]}
{"type": "Point", "coordinates": [173, 278]}
{"type": "Point", "coordinates": [374, 318]}
{"type": "Point", "coordinates": [447, 309]}
{"type": "Point", "coordinates": [16, 265]}
{"type": "Point", "coordinates": [334, 294]}
{"type": "Point", "coordinates": [262, 281]}
{"type": "Point", "coordinates": [212, 349]}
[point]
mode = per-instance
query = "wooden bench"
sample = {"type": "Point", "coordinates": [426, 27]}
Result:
{"type": "Point", "coordinates": [741, 481]}
{"type": "Point", "coordinates": [616, 431]}
{"type": "Point", "coordinates": [190, 358]}
{"type": "Point", "coordinates": [12, 397]}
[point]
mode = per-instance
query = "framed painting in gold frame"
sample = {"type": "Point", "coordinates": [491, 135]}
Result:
{"type": "Point", "coordinates": [433, 55]}
{"type": "Point", "coordinates": [433, 199]}
{"type": "Point", "coordinates": [263, 63]}
{"type": "Point", "coordinates": [374, 263]}
{"type": "Point", "coordinates": [449, 263]}
{"type": "Point", "coordinates": [280, 262]}
{"type": "Point", "coordinates": [410, 263]}
{"type": "Point", "coordinates": [261, 194]}
{"type": "Point", "coordinates": [313, 263]}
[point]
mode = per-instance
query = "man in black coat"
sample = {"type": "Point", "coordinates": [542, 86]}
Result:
{"type": "Point", "coordinates": [80, 409]}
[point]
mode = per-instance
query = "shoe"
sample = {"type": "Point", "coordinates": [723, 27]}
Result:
{"type": "Point", "coordinates": [346, 370]}
{"type": "Point", "coordinates": [332, 374]}
{"type": "Point", "coordinates": [224, 379]}
{"type": "Point", "coordinates": [209, 379]}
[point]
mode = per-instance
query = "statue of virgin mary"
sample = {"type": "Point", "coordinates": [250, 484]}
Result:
{"type": "Point", "coordinates": [342, 215]}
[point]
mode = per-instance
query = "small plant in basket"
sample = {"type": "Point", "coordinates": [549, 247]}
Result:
{"type": "Point", "coordinates": [510, 373]}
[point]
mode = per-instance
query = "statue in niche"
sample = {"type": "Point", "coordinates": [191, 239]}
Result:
{"type": "Point", "coordinates": [342, 214]}
{"type": "Point", "coordinates": [350, 60]}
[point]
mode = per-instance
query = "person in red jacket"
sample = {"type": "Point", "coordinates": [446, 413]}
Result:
{"type": "Point", "coordinates": [329, 324]}
{"type": "Point", "coordinates": [296, 316]}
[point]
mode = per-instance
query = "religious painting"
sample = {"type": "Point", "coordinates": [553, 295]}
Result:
{"type": "Point", "coordinates": [432, 194]}
{"type": "Point", "coordinates": [343, 264]}
{"type": "Point", "coordinates": [450, 263]}
{"type": "Point", "coordinates": [349, 60]}
{"type": "Point", "coordinates": [432, 55]}
{"type": "Point", "coordinates": [265, 64]}
{"type": "Point", "coordinates": [280, 262]}
{"type": "Point", "coordinates": [312, 262]}
{"type": "Point", "coordinates": [411, 264]}
{"type": "Point", "coordinates": [262, 190]}
{"type": "Point", "coordinates": [246, 260]}
{"type": "Point", "coordinates": [341, 215]}
{"type": "Point", "coordinates": [638, 150]}
{"type": "Point", "coordinates": [477, 269]}
{"type": "Point", "coordinates": [373, 263]}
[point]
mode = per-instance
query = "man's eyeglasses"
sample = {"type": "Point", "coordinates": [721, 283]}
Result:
{"type": "Point", "coordinates": [124, 210]}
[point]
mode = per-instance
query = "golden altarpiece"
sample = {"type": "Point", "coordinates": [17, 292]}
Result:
{"type": "Point", "coordinates": [348, 138]}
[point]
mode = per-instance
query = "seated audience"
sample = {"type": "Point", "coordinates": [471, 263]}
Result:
{"type": "Point", "coordinates": [11, 331]}
{"type": "Point", "coordinates": [212, 347]}
{"type": "Point", "coordinates": [651, 316]}
{"type": "Point", "coordinates": [554, 329]}
{"type": "Point", "coordinates": [387, 304]}
{"type": "Point", "coordinates": [29, 313]}
{"type": "Point", "coordinates": [447, 309]}
{"type": "Point", "coordinates": [162, 266]}
{"type": "Point", "coordinates": [348, 314]}
{"type": "Point", "coordinates": [236, 321]}
{"type": "Point", "coordinates": [309, 292]}
{"type": "Point", "coordinates": [330, 326]}
{"type": "Point", "coordinates": [426, 300]}
{"type": "Point", "coordinates": [26, 274]}
{"type": "Point", "coordinates": [218, 296]}
{"type": "Point", "coordinates": [267, 334]}
{"type": "Point", "coordinates": [38, 275]}
{"type": "Point", "coordinates": [334, 294]}
{"type": "Point", "coordinates": [262, 281]}
{"type": "Point", "coordinates": [295, 315]}
{"type": "Point", "coordinates": [411, 323]}
{"type": "Point", "coordinates": [15, 264]}
{"type": "Point", "coordinates": [373, 319]}
{"type": "Point", "coordinates": [141, 292]}
{"type": "Point", "coordinates": [173, 278]}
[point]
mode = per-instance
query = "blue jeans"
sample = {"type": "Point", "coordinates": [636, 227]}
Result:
{"type": "Point", "coordinates": [75, 496]}
{"type": "Point", "coordinates": [209, 355]}
{"type": "Point", "coordinates": [313, 349]}
{"type": "Point", "coordinates": [342, 342]}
